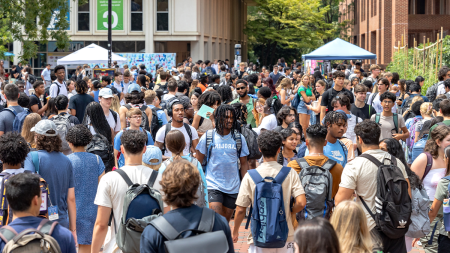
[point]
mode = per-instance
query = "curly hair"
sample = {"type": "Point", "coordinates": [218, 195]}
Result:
{"type": "Point", "coordinates": [269, 142]}
{"type": "Point", "coordinates": [133, 141]}
{"type": "Point", "coordinates": [30, 121]}
{"type": "Point", "coordinates": [438, 133]}
{"type": "Point", "coordinates": [13, 148]}
{"type": "Point", "coordinates": [240, 110]}
{"type": "Point", "coordinates": [225, 93]}
{"type": "Point", "coordinates": [209, 98]}
{"type": "Point", "coordinates": [48, 143]}
{"type": "Point", "coordinates": [135, 98]}
{"type": "Point", "coordinates": [81, 87]}
{"type": "Point", "coordinates": [316, 134]}
{"type": "Point", "coordinates": [179, 183]}
{"type": "Point", "coordinates": [368, 131]}
{"type": "Point", "coordinates": [283, 113]}
{"type": "Point", "coordinates": [79, 136]}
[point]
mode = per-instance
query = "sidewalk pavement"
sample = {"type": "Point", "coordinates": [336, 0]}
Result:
{"type": "Point", "coordinates": [242, 247]}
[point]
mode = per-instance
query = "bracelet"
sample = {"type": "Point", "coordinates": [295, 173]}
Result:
{"type": "Point", "coordinates": [73, 230]}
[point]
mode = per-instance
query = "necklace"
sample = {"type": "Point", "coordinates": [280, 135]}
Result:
{"type": "Point", "coordinates": [315, 154]}
{"type": "Point", "coordinates": [225, 139]}
{"type": "Point", "coordinates": [136, 164]}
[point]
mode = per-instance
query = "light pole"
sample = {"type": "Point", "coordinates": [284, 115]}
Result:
{"type": "Point", "coordinates": [109, 32]}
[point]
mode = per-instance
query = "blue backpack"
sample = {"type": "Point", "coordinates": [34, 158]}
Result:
{"type": "Point", "coordinates": [295, 101]}
{"type": "Point", "coordinates": [269, 227]}
{"type": "Point", "coordinates": [418, 147]}
{"type": "Point", "coordinates": [20, 118]}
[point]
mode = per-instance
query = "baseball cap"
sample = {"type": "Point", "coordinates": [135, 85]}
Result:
{"type": "Point", "coordinates": [106, 93]}
{"type": "Point", "coordinates": [133, 87]}
{"type": "Point", "coordinates": [151, 153]}
{"type": "Point", "coordinates": [43, 126]}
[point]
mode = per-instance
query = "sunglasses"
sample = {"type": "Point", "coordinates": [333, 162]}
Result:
{"type": "Point", "coordinates": [242, 88]}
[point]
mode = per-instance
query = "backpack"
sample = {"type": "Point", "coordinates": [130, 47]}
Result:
{"type": "Point", "coordinates": [100, 146]}
{"type": "Point", "coordinates": [204, 241]}
{"type": "Point", "coordinates": [432, 91]}
{"type": "Point", "coordinates": [418, 148]}
{"type": "Point", "coordinates": [407, 103]}
{"type": "Point", "coordinates": [318, 185]}
{"type": "Point", "coordinates": [269, 227]}
{"type": "Point", "coordinates": [371, 101]}
{"type": "Point", "coordinates": [395, 118]}
{"type": "Point", "coordinates": [31, 79]}
{"type": "Point", "coordinates": [24, 242]}
{"type": "Point", "coordinates": [156, 122]}
{"type": "Point", "coordinates": [412, 131]}
{"type": "Point", "coordinates": [6, 214]}
{"type": "Point", "coordinates": [19, 119]}
{"type": "Point", "coordinates": [163, 88]}
{"type": "Point", "coordinates": [165, 103]}
{"type": "Point", "coordinates": [47, 91]}
{"type": "Point", "coordinates": [295, 101]}
{"type": "Point", "coordinates": [63, 125]}
{"type": "Point", "coordinates": [210, 144]}
{"type": "Point", "coordinates": [142, 203]}
{"type": "Point", "coordinates": [252, 143]}
{"type": "Point", "coordinates": [144, 123]}
{"type": "Point", "coordinates": [169, 127]}
{"type": "Point", "coordinates": [446, 210]}
{"type": "Point", "coordinates": [420, 222]}
{"type": "Point", "coordinates": [408, 114]}
{"type": "Point", "coordinates": [392, 201]}
{"type": "Point", "coordinates": [201, 202]}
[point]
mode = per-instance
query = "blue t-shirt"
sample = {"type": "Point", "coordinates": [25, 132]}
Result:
{"type": "Point", "coordinates": [161, 115]}
{"type": "Point", "coordinates": [61, 234]}
{"type": "Point", "coordinates": [275, 77]}
{"type": "Point", "coordinates": [57, 171]}
{"type": "Point", "coordinates": [335, 152]}
{"type": "Point", "coordinates": [200, 170]}
{"type": "Point", "coordinates": [181, 219]}
{"type": "Point", "coordinates": [222, 171]}
{"type": "Point", "coordinates": [118, 142]}
{"type": "Point", "coordinates": [425, 99]}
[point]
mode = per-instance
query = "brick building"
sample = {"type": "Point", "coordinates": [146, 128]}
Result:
{"type": "Point", "coordinates": [378, 25]}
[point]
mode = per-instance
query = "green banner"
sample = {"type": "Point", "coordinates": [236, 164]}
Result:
{"type": "Point", "coordinates": [117, 15]}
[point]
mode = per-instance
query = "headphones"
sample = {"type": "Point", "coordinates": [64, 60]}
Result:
{"type": "Point", "coordinates": [169, 109]}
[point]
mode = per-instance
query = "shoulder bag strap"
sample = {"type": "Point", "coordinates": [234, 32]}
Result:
{"type": "Point", "coordinates": [367, 208]}
{"type": "Point", "coordinates": [165, 228]}
{"type": "Point", "coordinates": [284, 172]}
{"type": "Point", "coordinates": [207, 221]}
{"type": "Point", "coordinates": [429, 164]}
{"type": "Point", "coordinates": [35, 159]}
{"type": "Point", "coordinates": [125, 177]}
{"type": "Point", "coordinates": [152, 179]}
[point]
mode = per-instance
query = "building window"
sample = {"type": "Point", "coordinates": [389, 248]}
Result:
{"type": "Point", "coordinates": [420, 9]}
{"type": "Point", "coordinates": [140, 46]}
{"type": "Point", "coordinates": [124, 46]}
{"type": "Point", "coordinates": [136, 15]}
{"type": "Point", "coordinates": [160, 47]}
{"type": "Point", "coordinates": [162, 15]}
{"type": "Point", "coordinates": [83, 17]}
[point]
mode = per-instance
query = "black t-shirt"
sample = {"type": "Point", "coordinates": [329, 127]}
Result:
{"type": "Point", "coordinates": [79, 102]}
{"type": "Point", "coordinates": [329, 94]}
{"type": "Point", "coordinates": [363, 113]}
{"type": "Point", "coordinates": [34, 100]}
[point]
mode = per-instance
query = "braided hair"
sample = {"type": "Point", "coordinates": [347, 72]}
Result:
{"type": "Point", "coordinates": [95, 117]}
{"type": "Point", "coordinates": [219, 117]}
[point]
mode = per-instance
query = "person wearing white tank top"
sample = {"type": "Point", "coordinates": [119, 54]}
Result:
{"type": "Point", "coordinates": [441, 139]}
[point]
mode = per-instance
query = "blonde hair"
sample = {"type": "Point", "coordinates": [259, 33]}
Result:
{"type": "Point", "coordinates": [286, 83]}
{"type": "Point", "coordinates": [350, 224]}
{"type": "Point", "coordinates": [149, 96]}
{"type": "Point", "coordinates": [30, 121]}
{"type": "Point", "coordinates": [309, 82]}
{"type": "Point", "coordinates": [115, 104]}
{"type": "Point", "coordinates": [346, 82]}
{"type": "Point", "coordinates": [426, 108]}
{"type": "Point", "coordinates": [153, 167]}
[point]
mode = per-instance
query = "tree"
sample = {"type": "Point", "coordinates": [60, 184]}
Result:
{"type": "Point", "coordinates": [289, 24]}
{"type": "Point", "coordinates": [27, 21]}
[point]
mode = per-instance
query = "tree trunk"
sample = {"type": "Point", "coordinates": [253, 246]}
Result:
{"type": "Point", "coordinates": [273, 51]}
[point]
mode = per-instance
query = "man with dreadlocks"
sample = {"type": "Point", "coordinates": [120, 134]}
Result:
{"type": "Point", "coordinates": [336, 123]}
{"type": "Point", "coordinates": [222, 147]}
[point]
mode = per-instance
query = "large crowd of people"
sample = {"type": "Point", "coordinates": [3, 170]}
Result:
{"type": "Point", "coordinates": [357, 161]}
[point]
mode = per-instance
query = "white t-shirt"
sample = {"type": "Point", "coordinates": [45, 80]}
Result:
{"type": "Point", "coordinates": [112, 123]}
{"type": "Point", "coordinates": [118, 86]}
{"type": "Point", "coordinates": [168, 96]}
{"type": "Point", "coordinates": [268, 123]}
{"type": "Point", "coordinates": [14, 171]}
{"type": "Point", "coordinates": [111, 192]}
{"type": "Point", "coordinates": [351, 123]}
{"type": "Point", "coordinates": [161, 135]}
{"type": "Point", "coordinates": [54, 89]}
{"type": "Point", "coordinates": [377, 104]}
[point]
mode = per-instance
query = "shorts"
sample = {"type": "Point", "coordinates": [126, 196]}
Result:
{"type": "Point", "coordinates": [288, 248]}
{"type": "Point", "coordinates": [387, 244]}
{"type": "Point", "coordinates": [301, 108]}
{"type": "Point", "coordinates": [227, 200]}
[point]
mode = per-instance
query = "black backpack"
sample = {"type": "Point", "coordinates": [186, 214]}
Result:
{"type": "Point", "coordinates": [31, 79]}
{"type": "Point", "coordinates": [252, 143]}
{"type": "Point", "coordinates": [144, 124]}
{"type": "Point", "coordinates": [163, 88]}
{"type": "Point", "coordinates": [392, 201]}
{"type": "Point", "coordinates": [100, 146]}
{"type": "Point", "coordinates": [156, 123]}
{"type": "Point", "coordinates": [432, 91]}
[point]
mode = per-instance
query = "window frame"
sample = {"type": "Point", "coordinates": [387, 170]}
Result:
{"type": "Point", "coordinates": [168, 17]}
{"type": "Point", "coordinates": [84, 12]}
{"type": "Point", "coordinates": [131, 16]}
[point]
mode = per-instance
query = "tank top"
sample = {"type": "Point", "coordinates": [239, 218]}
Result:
{"type": "Point", "coordinates": [96, 95]}
{"type": "Point", "coordinates": [431, 181]}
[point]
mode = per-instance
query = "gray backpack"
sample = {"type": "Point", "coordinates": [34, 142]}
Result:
{"type": "Point", "coordinates": [63, 125]}
{"type": "Point", "coordinates": [205, 241]}
{"type": "Point", "coordinates": [420, 223]}
{"type": "Point", "coordinates": [318, 184]}
{"type": "Point", "coordinates": [201, 202]}
{"type": "Point", "coordinates": [24, 242]}
{"type": "Point", "coordinates": [142, 204]}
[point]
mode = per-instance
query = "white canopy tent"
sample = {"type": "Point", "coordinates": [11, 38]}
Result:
{"type": "Point", "coordinates": [90, 54]}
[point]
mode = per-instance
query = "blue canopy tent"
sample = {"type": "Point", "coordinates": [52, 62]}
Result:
{"type": "Point", "coordinates": [339, 49]}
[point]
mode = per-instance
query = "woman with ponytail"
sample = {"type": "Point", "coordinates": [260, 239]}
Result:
{"type": "Point", "coordinates": [175, 143]}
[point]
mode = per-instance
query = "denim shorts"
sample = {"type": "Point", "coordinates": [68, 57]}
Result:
{"type": "Point", "coordinates": [301, 108]}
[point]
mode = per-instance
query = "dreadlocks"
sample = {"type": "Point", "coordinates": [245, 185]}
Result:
{"type": "Point", "coordinates": [240, 110]}
{"type": "Point", "coordinates": [209, 98]}
{"type": "Point", "coordinates": [95, 117]}
{"type": "Point", "coordinates": [225, 93]}
{"type": "Point", "coordinates": [220, 115]}
{"type": "Point", "coordinates": [334, 118]}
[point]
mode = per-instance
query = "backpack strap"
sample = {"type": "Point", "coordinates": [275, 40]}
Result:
{"type": "Point", "coordinates": [35, 159]}
{"type": "Point", "coordinates": [372, 159]}
{"type": "Point", "coordinates": [238, 140]}
{"type": "Point", "coordinates": [189, 132]}
{"type": "Point", "coordinates": [47, 226]}
{"type": "Point", "coordinates": [114, 115]}
{"type": "Point", "coordinates": [209, 140]}
{"type": "Point", "coordinates": [429, 164]}
{"type": "Point", "coordinates": [329, 164]}
{"type": "Point", "coordinates": [127, 106]}
{"type": "Point", "coordinates": [167, 130]}
{"type": "Point", "coordinates": [206, 223]}
{"type": "Point", "coordinates": [377, 118]}
{"type": "Point", "coordinates": [256, 177]}
{"type": "Point", "coordinates": [152, 179]}
{"type": "Point", "coordinates": [344, 148]}
{"type": "Point", "coordinates": [165, 228]}
{"type": "Point", "coordinates": [7, 233]}
{"type": "Point", "coordinates": [11, 110]}
{"type": "Point", "coordinates": [395, 117]}
{"type": "Point", "coordinates": [125, 177]}
{"type": "Point", "coordinates": [302, 163]}
{"type": "Point", "coordinates": [284, 172]}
